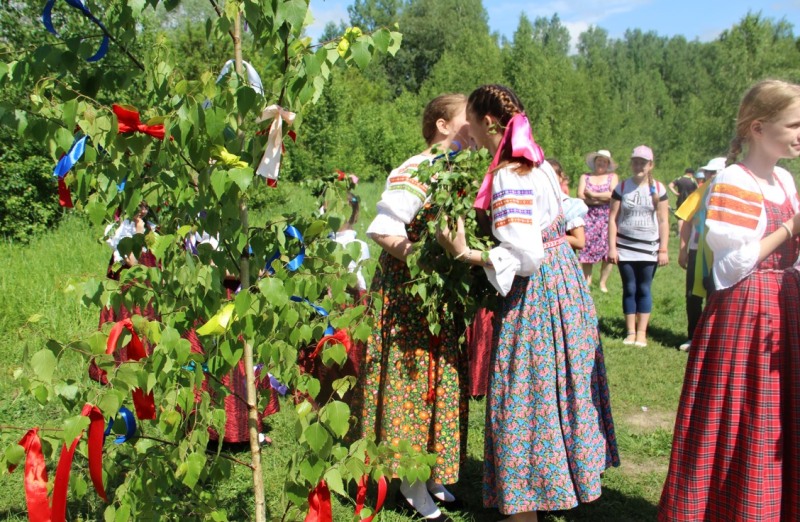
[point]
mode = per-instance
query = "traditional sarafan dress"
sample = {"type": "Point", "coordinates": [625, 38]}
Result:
{"type": "Point", "coordinates": [414, 384]}
{"type": "Point", "coordinates": [727, 459]}
{"type": "Point", "coordinates": [549, 429]}
{"type": "Point", "coordinates": [118, 311]}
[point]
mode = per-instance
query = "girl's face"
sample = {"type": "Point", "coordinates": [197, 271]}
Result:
{"type": "Point", "coordinates": [484, 131]}
{"type": "Point", "coordinates": [781, 136]}
{"type": "Point", "coordinates": [601, 165]}
{"type": "Point", "coordinates": [458, 130]}
{"type": "Point", "coordinates": [641, 166]}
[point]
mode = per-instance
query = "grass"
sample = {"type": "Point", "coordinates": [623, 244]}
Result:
{"type": "Point", "coordinates": [645, 382]}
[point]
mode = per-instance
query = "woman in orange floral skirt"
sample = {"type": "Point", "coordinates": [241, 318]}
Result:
{"type": "Point", "coordinates": [414, 383]}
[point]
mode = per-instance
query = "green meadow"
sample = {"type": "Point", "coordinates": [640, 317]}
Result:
{"type": "Point", "coordinates": [37, 303]}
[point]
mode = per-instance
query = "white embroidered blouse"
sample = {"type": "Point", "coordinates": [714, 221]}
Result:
{"type": "Point", "coordinates": [402, 198]}
{"type": "Point", "coordinates": [736, 220]}
{"type": "Point", "coordinates": [522, 206]}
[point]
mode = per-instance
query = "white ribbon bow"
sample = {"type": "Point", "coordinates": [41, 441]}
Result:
{"type": "Point", "coordinates": [270, 164]}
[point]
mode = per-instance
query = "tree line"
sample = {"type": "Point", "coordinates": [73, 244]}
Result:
{"type": "Point", "coordinates": [676, 95]}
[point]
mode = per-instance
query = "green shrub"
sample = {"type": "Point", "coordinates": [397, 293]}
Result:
{"type": "Point", "coordinates": [28, 192]}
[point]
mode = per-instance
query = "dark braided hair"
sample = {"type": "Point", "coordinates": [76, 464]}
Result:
{"type": "Point", "coordinates": [503, 104]}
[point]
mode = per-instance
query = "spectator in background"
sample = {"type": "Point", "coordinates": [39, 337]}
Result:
{"type": "Point", "coordinates": [595, 189]}
{"type": "Point", "coordinates": [638, 232]}
{"type": "Point", "coordinates": [682, 187]}
{"type": "Point", "coordinates": [693, 214]}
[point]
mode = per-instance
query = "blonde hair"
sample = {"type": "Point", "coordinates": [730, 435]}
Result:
{"type": "Point", "coordinates": [763, 101]}
{"type": "Point", "coordinates": [444, 107]}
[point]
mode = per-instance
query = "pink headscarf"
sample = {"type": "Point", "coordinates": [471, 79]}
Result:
{"type": "Point", "coordinates": [519, 132]}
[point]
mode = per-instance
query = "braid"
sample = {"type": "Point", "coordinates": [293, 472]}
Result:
{"type": "Point", "coordinates": [735, 150]}
{"type": "Point", "coordinates": [496, 100]}
{"type": "Point", "coordinates": [503, 104]}
{"type": "Point", "coordinates": [653, 190]}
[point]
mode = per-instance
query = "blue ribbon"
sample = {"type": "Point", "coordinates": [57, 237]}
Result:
{"type": "Point", "coordinates": [130, 426]}
{"type": "Point", "coordinates": [69, 159]}
{"type": "Point", "coordinates": [321, 311]}
{"type": "Point", "coordinates": [292, 232]}
{"type": "Point", "coordinates": [77, 4]}
{"type": "Point", "coordinates": [191, 366]}
{"type": "Point", "coordinates": [121, 184]}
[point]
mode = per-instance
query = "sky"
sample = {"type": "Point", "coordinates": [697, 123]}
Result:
{"type": "Point", "coordinates": [694, 19]}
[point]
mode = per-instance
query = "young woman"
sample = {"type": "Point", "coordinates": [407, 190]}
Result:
{"type": "Point", "coordinates": [595, 189]}
{"type": "Point", "coordinates": [638, 232]}
{"type": "Point", "coordinates": [549, 431]}
{"type": "Point", "coordinates": [728, 451]}
{"type": "Point", "coordinates": [415, 386]}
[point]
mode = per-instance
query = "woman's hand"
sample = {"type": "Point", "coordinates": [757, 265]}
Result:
{"type": "Point", "coordinates": [612, 255]}
{"type": "Point", "coordinates": [683, 258]}
{"type": "Point", "coordinates": [454, 245]}
{"type": "Point", "coordinates": [663, 259]}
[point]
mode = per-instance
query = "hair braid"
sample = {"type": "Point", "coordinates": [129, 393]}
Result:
{"type": "Point", "coordinates": [734, 150]}
{"type": "Point", "coordinates": [496, 100]}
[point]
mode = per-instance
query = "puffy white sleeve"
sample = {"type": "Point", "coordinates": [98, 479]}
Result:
{"type": "Point", "coordinates": [735, 224]}
{"type": "Point", "coordinates": [402, 198]}
{"type": "Point", "coordinates": [574, 210]}
{"type": "Point", "coordinates": [126, 228]}
{"type": "Point", "coordinates": [515, 224]}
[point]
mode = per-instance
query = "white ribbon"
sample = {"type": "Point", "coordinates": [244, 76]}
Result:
{"type": "Point", "coordinates": [270, 164]}
{"type": "Point", "coordinates": [252, 78]}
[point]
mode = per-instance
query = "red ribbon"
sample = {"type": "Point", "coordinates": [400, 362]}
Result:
{"type": "Point", "coordinates": [64, 196]}
{"type": "Point", "coordinates": [128, 121]}
{"type": "Point", "coordinates": [361, 497]}
{"type": "Point", "coordinates": [144, 405]}
{"type": "Point", "coordinates": [39, 508]}
{"type": "Point", "coordinates": [319, 504]}
{"type": "Point", "coordinates": [340, 337]}
{"type": "Point", "coordinates": [35, 477]}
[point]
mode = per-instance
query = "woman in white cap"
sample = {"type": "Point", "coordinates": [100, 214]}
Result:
{"type": "Point", "coordinates": [595, 189]}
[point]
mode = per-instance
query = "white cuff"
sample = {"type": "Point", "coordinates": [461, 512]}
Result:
{"type": "Point", "coordinates": [504, 267]}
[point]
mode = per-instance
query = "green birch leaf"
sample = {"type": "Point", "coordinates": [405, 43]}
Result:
{"type": "Point", "coordinates": [43, 364]}
{"type": "Point", "coordinates": [337, 416]}
{"type": "Point", "coordinates": [317, 437]}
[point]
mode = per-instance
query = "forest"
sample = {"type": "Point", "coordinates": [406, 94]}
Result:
{"type": "Point", "coordinates": [676, 95]}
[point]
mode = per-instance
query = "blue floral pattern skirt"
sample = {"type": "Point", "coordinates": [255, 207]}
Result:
{"type": "Point", "coordinates": [549, 429]}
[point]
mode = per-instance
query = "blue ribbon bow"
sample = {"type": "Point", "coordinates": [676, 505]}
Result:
{"type": "Point", "coordinates": [130, 426]}
{"type": "Point", "coordinates": [321, 311]}
{"type": "Point", "coordinates": [292, 232]}
{"type": "Point", "coordinates": [79, 5]}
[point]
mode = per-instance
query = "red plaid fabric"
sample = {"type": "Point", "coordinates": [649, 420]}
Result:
{"type": "Point", "coordinates": [728, 449]}
{"type": "Point", "coordinates": [790, 303]}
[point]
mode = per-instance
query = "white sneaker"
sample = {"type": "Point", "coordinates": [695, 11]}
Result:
{"type": "Point", "coordinates": [685, 346]}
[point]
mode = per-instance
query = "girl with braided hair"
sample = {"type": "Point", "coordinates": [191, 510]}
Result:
{"type": "Point", "coordinates": [734, 447]}
{"type": "Point", "coordinates": [549, 430]}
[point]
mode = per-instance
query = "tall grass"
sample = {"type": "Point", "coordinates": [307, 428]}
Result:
{"type": "Point", "coordinates": [36, 305]}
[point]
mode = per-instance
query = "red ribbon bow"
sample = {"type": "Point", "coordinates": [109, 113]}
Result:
{"type": "Point", "coordinates": [144, 404]}
{"type": "Point", "coordinates": [340, 337]}
{"type": "Point", "coordinates": [128, 121]}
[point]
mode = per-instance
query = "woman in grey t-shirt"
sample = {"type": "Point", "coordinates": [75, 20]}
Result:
{"type": "Point", "coordinates": [638, 231]}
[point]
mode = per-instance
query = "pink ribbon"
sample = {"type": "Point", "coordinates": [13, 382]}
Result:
{"type": "Point", "coordinates": [523, 145]}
